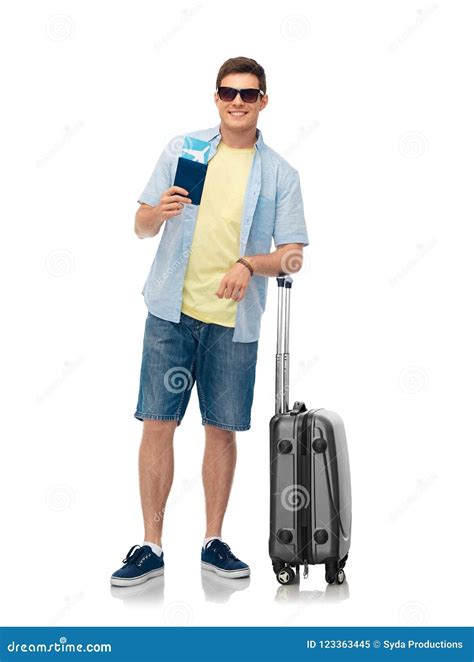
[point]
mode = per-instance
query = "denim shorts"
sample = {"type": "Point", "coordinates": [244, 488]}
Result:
{"type": "Point", "coordinates": [177, 354]}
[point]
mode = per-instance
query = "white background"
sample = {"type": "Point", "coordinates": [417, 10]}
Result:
{"type": "Point", "coordinates": [371, 102]}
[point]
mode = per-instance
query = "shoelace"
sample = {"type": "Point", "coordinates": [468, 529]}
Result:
{"type": "Point", "coordinates": [133, 554]}
{"type": "Point", "coordinates": [223, 547]}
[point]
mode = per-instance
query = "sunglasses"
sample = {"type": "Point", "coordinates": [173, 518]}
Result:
{"type": "Point", "coordinates": [248, 95]}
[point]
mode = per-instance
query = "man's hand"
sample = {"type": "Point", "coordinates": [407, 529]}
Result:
{"type": "Point", "coordinates": [287, 259]}
{"type": "Point", "coordinates": [148, 219]}
{"type": "Point", "coordinates": [234, 283]}
{"type": "Point", "coordinates": [171, 203]}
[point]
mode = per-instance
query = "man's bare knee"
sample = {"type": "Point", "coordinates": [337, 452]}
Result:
{"type": "Point", "coordinates": [157, 429]}
{"type": "Point", "coordinates": [213, 432]}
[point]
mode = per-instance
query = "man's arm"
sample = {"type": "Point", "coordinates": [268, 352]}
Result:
{"type": "Point", "coordinates": [287, 258]}
{"type": "Point", "coordinates": [149, 219]}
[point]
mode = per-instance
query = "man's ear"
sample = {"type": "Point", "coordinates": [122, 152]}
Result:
{"type": "Point", "coordinates": [263, 101]}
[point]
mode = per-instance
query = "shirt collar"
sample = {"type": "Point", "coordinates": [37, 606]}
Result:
{"type": "Point", "coordinates": [215, 133]}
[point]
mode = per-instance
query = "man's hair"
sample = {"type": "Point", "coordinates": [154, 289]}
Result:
{"type": "Point", "coordinates": [243, 65]}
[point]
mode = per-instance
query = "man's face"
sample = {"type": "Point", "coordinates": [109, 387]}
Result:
{"type": "Point", "coordinates": [236, 114]}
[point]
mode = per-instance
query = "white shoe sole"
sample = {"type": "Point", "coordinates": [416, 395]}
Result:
{"type": "Point", "coordinates": [119, 581]}
{"type": "Point", "coordinates": [230, 574]}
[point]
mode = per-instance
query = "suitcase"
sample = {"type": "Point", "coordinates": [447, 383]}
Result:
{"type": "Point", "coordinates": [310, 486]}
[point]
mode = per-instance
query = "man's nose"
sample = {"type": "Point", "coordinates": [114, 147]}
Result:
{"type": "Point", "coordinates": [238, 99]}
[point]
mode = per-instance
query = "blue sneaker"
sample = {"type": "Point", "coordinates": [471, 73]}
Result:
{"type": "Point", "coordinates": [141, 564]}
{"type": "Point", "coordinates": [218, 558]}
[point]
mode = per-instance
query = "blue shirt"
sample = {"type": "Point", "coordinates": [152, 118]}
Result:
{"type": "Point", "coordinates": [273, 208]}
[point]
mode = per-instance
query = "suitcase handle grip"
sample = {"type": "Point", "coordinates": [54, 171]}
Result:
{"type": "Point", "coordinates": [282, 358]}
{"type": "Point", "coordinates": [284, 281]}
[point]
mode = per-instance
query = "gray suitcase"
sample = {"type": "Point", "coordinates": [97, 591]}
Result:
{"type": "Point", "coordinates": [310, 485]}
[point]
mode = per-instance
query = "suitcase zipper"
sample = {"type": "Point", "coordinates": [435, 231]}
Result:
{"type": "Point", "coordinates": [304, 479]}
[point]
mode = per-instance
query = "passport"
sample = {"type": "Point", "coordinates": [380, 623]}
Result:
{"type": "Point", "coordinates": [192, 167]}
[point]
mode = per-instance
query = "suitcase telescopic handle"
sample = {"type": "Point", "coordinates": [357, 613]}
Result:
{"type": "Point", "coordinates": [282, 358]}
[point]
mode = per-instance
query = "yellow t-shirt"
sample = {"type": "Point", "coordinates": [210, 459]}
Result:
{"type": "Point", "coordinates": [216, 239]}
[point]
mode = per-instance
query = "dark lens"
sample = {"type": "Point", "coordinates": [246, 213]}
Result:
{"type": "Point", "coordinates": [226, 93]}
{"type": "Point", "coordinates": [250, 95]}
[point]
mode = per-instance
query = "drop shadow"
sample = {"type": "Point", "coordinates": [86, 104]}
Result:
{"type": "Point", "coordinates": [148, 594]}
{"type": "Point", "coordinates": [333, 593]}
{"type": "Point", "coordinates": [219, 589]}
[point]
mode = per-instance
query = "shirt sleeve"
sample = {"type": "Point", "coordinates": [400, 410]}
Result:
{"type": "Point", "coordinates": [290, 224]}
{"type": "Point", "coordinates": [160, 178]}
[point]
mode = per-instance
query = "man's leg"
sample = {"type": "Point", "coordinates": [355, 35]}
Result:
{"type": "Point", "coordinates": [225, 376]}
{"type": "Point", "coordinates": [217, 474]}
{"type": "Point", "coordinates": [156, 465]}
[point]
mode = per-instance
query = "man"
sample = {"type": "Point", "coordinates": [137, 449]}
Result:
{"type": "Point", "coordinates": [205, 295]}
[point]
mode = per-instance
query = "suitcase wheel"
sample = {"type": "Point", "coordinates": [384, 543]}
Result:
{"type": "Point", "coordinates": [285, 575]}
{"type": "Point", "coordinates": [338, 578]}
{"type": "Point", "coordinates": [341, 576]}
